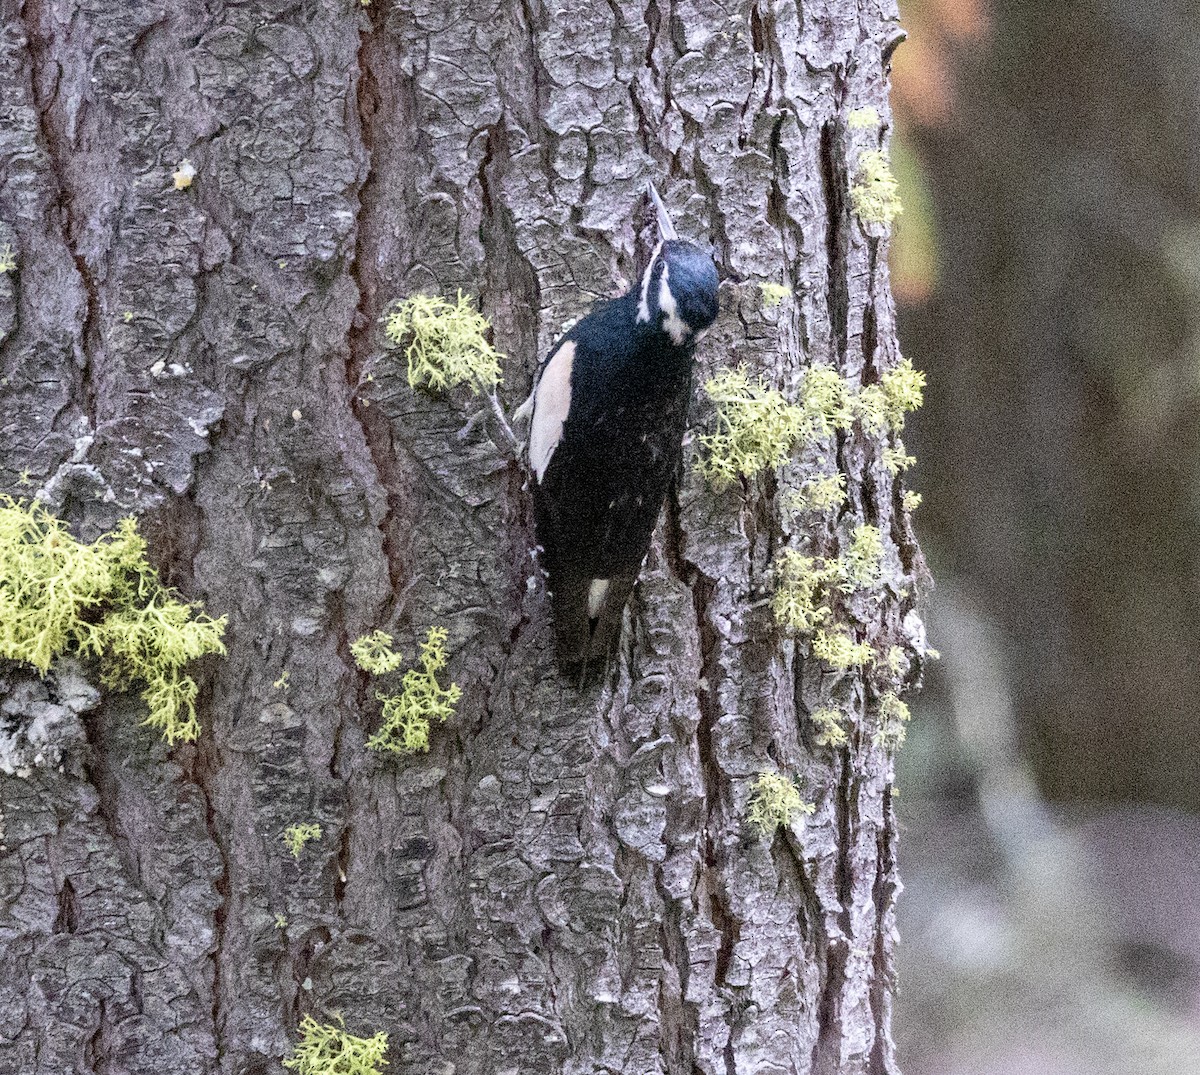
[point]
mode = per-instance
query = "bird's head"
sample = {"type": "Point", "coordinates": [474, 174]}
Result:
{"type": "Point", "coordinates": [678, 291]}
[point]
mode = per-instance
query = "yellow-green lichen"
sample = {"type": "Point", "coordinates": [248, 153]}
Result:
{"type": "Point", "coordinates": [861, 565]}
{"type": "Point", "coordinates": [773, 294]}
{"type": "Point", "coordinates": [825, 401]}
{"type": "Point", "coordinates": [775, 801]}
{"type": "Point", "coordinates": [903, 389]}
{"type": "Point", "coordinates": [838, 650]}
{"type": "Point", "coordinates": [875, 193]}
{"type": "Point", "coordinates": [894, 716]}
{"type": "Point", "coordinates": [895, 459]}
{"type": "Point", "coordinates": [830, 727]}
{"type": "Point", "coordinates": [104, 599]}
{"type": "Point", "coordinates": [329, 1049]}
{"type": "Point", "coordinates": [911, 500]}
{"type": "Point", "coordinates": [756, 428]}
{"type": "Point", "coordinates": [821, 494]}
{"type": "Point", "coordinates": [862, 119]}
{"type": "Point", "coordinates": [296, 836]}
{"type": "Point", "coordinates": [445, 343]}
{"type": "Point", "coordinates": [799, 585]}
{"type": "Point", "coordinates": [8, 260]}
{"type": "Point", "coordinates": [884, 405]}
{"type": "Point", "coordinates": [421, 699]}
{"type": "Point", "coordinates": [374, 653]}
{"type": "Point", "coordinates": [759, 429]}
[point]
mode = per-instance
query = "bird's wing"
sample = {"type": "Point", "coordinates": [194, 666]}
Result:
{"type": "Point", "coordinates": [548, 405]}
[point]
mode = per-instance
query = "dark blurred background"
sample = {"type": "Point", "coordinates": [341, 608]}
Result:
{"type": "Point", "coordinates": [1048, 271]}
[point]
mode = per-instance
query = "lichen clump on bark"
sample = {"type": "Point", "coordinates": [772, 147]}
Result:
{"type": "Point", "coordinates": [296, 836]}
{"type": "Point", "coordinates": [875, 194]}
{"type": "Point", "coordinates": [838, 650]}
{"type": "Point", "coordinates": [407, 714]}
{"type": "Point", "coordinates": [797, 602]}
{"type": "Point", "coordinates": [885, 405]}
{"type": "Point", "coordinates": [773, 294]}
{"type": "Point", "coordinates": [104, 599]}
{"type": "Point", "coordinates": [329, 1049]}
{"type": "Point", "coordinates": [445, 343]}
{"type": "Point", "coordinates": [830, 727]}
{"type": "Point", "coordinates": [861, 565]}
{"type": "Point", "coordinates": [758, 428]}
{"type": "Point", "coordinates": [805, 587]}
{"type": "Point", "coordinates": [894, 716]}
{"type": "Point", "coordinates": [775, 801]}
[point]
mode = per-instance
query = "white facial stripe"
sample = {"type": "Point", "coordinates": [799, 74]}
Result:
{"type": "Point", "coordinates": [551, 402]}
{"type": "Point", "coordinates": [643, 313]}
{"type": "Point", "coordinates": [673, 324]}
{"type": "Point", "coordinates": [596, 594]}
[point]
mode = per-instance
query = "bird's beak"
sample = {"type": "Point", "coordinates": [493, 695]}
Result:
{"type": "Point", "coordinates": [666, 230]}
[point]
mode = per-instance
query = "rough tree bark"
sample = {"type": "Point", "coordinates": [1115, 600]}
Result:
{"type": "Point", "coordinates": [565, 883]}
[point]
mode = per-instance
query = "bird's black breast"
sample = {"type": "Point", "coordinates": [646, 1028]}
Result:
{"type": "Point", "coordinates": [600, 496]}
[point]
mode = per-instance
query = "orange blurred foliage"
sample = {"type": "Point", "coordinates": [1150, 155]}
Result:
{"type": "Point", "coordinates": [923, 95]}
{"type": "Point", "coordinates": [922, 78]}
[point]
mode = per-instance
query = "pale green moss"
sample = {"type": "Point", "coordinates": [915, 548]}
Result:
{"type": "Point", "coordinates": [775, 801]}
{"type": "Point", "coordinates": [445, 343]}
{"type": "Point", "coordinates": [328, 1049]}
{"type": "Point", "coordinates": [830, 727]}
{"type": "Point", "coordinates": [60, 595]}
{"type": "Point", "coordinates": [799, 584]}
{"type": "Point", "coordinates": [862, 119]}
{"type": "Point", "coordinates": [875, 193]}
{"type": "Point", "coordinates": [861, 565]}
{"type": "Point", "coordinates": [838, 650]}
{"type": "Point", "coordinates": [407, 715]}
{"type": "Point", "coordinates": [773, 294]}
{"type": "Point", "coordinates": [373, 653]}
{"type": "Point", "coordinates": [296, 836]}
{"type": "Point", "coordinates": [757, 428]}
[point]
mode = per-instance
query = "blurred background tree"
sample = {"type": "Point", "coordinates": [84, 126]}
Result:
{"type": "Point", "coordinates": [1056, 311]}
{"type": "Point", "coordinates": [1048, 265]}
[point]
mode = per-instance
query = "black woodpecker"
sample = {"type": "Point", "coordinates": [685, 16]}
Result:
{"type": "Point", "coordinates": [608, 413]}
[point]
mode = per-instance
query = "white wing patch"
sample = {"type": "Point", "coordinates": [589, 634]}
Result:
{"type": "Point", "coordinates": [673, 324]}
{"type": "Point", "coordinates": [597, 591]}
{"type": "Point", "coordinates": [551, 402]}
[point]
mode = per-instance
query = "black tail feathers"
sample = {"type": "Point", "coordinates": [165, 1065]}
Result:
{"type": "Point", "coordinates": [587, 624]}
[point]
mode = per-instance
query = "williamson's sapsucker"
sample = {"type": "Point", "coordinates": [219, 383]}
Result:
{"type": "Point", "coordinates": [607, 417]}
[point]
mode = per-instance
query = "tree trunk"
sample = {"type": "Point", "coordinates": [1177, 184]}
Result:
{"type": "Point", "coordinates": [566, 882]}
